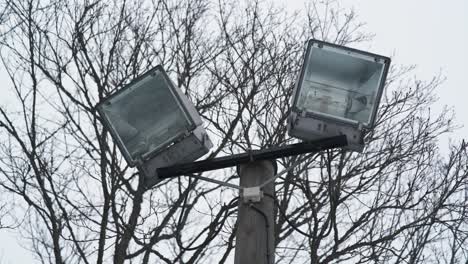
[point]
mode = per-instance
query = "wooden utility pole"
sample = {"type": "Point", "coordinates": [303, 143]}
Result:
{"type": "Point", "coordinates": [255, 230]}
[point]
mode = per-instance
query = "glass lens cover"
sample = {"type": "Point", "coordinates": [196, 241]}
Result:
{"type": "Point", "coordinates": [340, 85]}
{"type": "Point", "coordinates": [146, 115]}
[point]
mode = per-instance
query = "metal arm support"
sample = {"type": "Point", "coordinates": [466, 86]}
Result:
{"type": "Point", "coordinates": [255, 155]}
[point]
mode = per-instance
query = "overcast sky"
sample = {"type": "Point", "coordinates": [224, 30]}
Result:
{"type": "Point", "coordinates": [430, 34]}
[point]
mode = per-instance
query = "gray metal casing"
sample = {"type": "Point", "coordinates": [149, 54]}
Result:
{"type": "Point", "coordinates": [308, 128]}
{"type": "Point", "coordinates": [315, 125]}
{"type": "Point", "coordinates": [188, 149]}
{"type": "Point", "coordinates": [185, 146]}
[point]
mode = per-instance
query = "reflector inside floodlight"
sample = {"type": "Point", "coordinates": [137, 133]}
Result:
{"type": "Point", "coordinates": [340, 84]}
{"type": "Point", "coordinates": [338, 93]}
{"type": "Point", "coordinates": [147, 115]}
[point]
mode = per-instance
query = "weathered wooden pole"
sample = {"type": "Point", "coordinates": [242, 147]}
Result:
{"type": "Point", "coordinates": [255, 224]}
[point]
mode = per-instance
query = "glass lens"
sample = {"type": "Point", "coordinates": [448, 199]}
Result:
{"type": "Point", "coordinates": [340, 85]}
{"type": "Point", "coordinates": [146, 115]}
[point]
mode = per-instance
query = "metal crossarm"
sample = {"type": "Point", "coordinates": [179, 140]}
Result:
{"type": "Point", "coordinates": [255, 155]}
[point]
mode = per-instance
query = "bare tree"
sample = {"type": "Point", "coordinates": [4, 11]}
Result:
{"type": "Point", "coordinates": [400, 200]}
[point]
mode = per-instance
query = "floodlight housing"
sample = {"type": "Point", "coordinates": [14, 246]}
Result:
{"type": "Point", "coordinates": [153, 123]}
{"type": "Point", "coordinates": [338, 92]}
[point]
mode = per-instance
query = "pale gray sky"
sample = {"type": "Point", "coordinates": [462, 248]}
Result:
{"type": "Point", "coordinates": [431, 34]}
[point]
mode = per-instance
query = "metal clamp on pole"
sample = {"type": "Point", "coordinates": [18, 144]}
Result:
{"type": "Point", "coordinates": [252, 194]}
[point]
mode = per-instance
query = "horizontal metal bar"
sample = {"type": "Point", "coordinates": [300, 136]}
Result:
{"type": "Point", "coordinates": [255, 155]}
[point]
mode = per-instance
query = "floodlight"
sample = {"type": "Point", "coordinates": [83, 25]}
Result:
{"type": "Point", "coordinates": [338, 92]}
{"type": "Point", "coordinates": [153, 123]}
